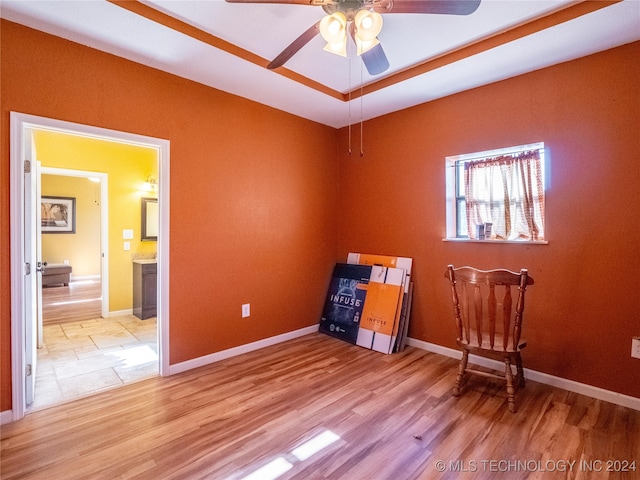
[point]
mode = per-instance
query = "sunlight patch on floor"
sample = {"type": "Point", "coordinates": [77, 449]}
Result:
{"type": "Point", "coordinates": [281, 465]}
{"type": "Point", "coordinates": [136, 356]}
{"type": "Point", "coordinates": [313, 446]}
{"type": "Point", "coordinates": [71, 302]}
{"type": "Point", "coordinates": [271, 470]}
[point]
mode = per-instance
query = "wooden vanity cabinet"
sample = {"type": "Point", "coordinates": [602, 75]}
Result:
{"type": "Point", "coordinates": [145, 289]}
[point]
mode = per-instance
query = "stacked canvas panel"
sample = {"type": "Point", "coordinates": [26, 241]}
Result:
{"type": "Point", "coordinates": [345, 301]}
{"type": "Point", "coordinates": [368, 302]}
{"type": "Point", "coordinates": [381, 313]}
{"type": "Point", "coordinates": [401, 325]}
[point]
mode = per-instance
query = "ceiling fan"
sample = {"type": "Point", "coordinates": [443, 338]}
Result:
{"type": "Point", "coordinates": [362, 21]}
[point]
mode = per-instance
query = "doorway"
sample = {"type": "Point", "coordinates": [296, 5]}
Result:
{"type": "Point", "coordinates": [74, 328]}
{"type": "Point", "coordinates": [23, 321]}
{"type": "Point", "coordinates": [88, 296]}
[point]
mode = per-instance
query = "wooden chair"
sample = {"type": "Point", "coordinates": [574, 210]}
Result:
{"type": "Point", "coordinates": [475, 294]}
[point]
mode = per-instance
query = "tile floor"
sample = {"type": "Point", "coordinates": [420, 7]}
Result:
{"type": "Point", "coordinates": [84, 357]}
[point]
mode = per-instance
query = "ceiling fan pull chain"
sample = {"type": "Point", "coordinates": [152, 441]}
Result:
{"type": "Point", "coordinates": [349, 107]}
{"type": "Point", "coordinates": [361, 127]}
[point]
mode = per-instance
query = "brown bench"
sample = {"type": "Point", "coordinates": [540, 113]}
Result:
{"type": "Point", "coordinates": [55, 274]}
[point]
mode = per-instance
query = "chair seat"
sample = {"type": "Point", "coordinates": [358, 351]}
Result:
{"type": "Point", "coordinates": [486, 343]}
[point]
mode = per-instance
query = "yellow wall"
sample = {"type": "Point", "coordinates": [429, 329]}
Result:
{"type": "Point", "coordinates": [127, 166]}
{"type": "Point", "coordinates": [82, 248]}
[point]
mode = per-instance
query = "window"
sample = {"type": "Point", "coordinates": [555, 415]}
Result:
{"type": "Point", "coordinates": [500, 192]}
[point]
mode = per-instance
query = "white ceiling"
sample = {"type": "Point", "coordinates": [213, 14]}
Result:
{"type": "Point", "coordinates": [266, 29]}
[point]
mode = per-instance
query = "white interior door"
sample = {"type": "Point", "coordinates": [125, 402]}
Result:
{"type": "Point", "coordinates": [33, 274]}
{"type": "Point", "coordinates": [40, 264]}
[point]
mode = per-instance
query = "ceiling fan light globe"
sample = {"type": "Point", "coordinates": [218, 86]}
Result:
{"type": "Point", "coordinates": [368, 24]}
{"type": "Point", "coordinates": [333, 28]}
{"type": "Point", "coordinates": [339, 48]}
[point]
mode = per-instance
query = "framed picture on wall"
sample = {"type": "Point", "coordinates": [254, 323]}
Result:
{"type": "Point", "coordinates": [58, 214]}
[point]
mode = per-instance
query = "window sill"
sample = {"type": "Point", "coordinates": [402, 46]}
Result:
{"type": "Point", "coordinates": [518, 242]}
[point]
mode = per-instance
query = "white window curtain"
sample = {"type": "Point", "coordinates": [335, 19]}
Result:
{"type": "Point", "coordinates": [508, 192]}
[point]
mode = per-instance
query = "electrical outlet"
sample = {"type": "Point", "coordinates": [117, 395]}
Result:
{"type": "Point", "coordinates": [246, 310]}
{"type": "Point", "coordinates": [635, 347]}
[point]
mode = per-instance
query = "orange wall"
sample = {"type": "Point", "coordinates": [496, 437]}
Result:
{"type": "Point", "coordinates": [252, 190]}
{"type": "Point", "coordinates": [582, 311]}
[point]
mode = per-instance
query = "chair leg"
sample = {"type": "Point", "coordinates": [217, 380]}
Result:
{"type": "Point", "coordinates": [510, 389]}
{"type": "Point", "coordinates": [520, 371]}
{"type": "Point", "coordinates": [461, 369]}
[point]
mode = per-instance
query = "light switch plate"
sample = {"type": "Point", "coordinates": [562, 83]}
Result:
{"type": "Point", "coordinates": [246, 310]}
{"type": "Point", "coordinates": [127, 245]}
{"type": "Point", "coordinates": [127, 234]}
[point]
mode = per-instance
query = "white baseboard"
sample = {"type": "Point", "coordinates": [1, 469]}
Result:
{"type": "Point", "coordinates": [232, 352]}
{"type": "Point", "coordinates": [6, 417]}
{"type": "Point", "coordinates": [570, 385]}
{"type": "Point", "coordinates": [78, 278]}
{"type": "Point", "coordinates": [121, 313]}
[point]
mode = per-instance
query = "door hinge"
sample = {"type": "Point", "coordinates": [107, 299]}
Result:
{"type": "Point", "coordinates": [27, 269]}
{"type": "Point", "coordinates": [29, 370]}
{"type": "Point", "coordinates": [27, 166]}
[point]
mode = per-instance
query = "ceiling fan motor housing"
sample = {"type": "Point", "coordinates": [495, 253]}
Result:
{"type": "Point", "coordinates": [348, 7]}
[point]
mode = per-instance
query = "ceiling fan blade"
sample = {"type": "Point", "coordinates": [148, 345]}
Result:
{"type": "Point", "coordinates": [290, 2]}
{"type": "Point", "coordinates": [445, 7]}
{"type": "Point", "coordinates": [375, 60]}
{"type": "Point", "coordinates": [295, 46]}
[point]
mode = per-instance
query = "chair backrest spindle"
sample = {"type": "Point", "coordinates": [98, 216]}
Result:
{"type": "Point", "coordinates": [506, 314]}
{"type": "Point", "coordinates": [477, 303]}
{"type": "Point", "coordinates": [492, 315]}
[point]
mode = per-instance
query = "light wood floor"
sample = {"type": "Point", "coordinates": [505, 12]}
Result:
{"type": "Point", "coordinates": [394, 416]}
{"type": "Point", "coordinates": [80, 300]}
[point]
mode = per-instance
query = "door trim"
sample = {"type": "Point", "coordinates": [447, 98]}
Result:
{"type": "Point", "coordinates": [19, 126]}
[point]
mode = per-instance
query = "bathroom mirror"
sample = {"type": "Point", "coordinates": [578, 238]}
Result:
{"type": "Point", "coordinates": [149, 219]}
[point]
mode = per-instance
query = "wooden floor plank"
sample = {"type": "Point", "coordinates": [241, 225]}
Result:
{"type": "Point", "coordinates": [394, 415]}
{"type": "Point", "coordinates": [80, 300]}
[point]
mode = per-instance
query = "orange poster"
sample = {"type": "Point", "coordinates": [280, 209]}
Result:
{"type": "Point", "coordinates": [381, 312]}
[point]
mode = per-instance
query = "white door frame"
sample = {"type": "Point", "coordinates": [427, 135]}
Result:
{"type": "Point", "coordinates": [33, 275]}
{"type": "Point", "coordinates": [21, 125]}
{"type": "Point", "coordinates": [104, 223]}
